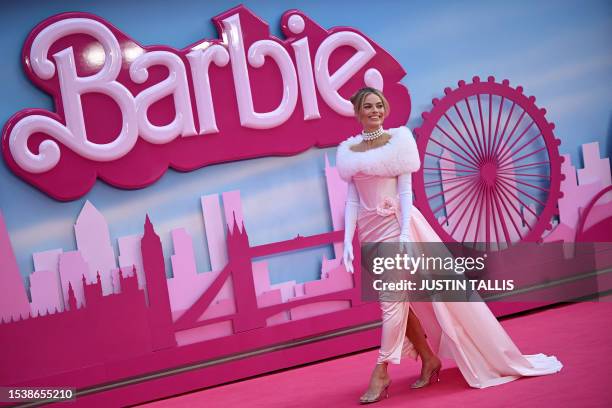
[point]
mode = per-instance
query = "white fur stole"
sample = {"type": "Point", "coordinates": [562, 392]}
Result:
{"type": "Point", "coordinates": [400, 155]}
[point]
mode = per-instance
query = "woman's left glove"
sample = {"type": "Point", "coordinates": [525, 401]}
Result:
{"type": "Point", "coordinates": [404, 190]}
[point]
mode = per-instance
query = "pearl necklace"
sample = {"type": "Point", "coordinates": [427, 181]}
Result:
{"type": "Point", "coordinates": [369, 136]}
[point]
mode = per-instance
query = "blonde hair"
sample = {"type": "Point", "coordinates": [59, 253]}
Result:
{"type": "Point", "coordinates": [359, 96]}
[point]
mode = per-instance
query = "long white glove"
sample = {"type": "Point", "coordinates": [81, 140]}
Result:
{"type": "Point", "coordinates": [350, 223]}
{"type": "Point", "coordinates": [404, 190]}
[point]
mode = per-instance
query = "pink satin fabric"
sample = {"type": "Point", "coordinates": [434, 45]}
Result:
{"type": "Point", "coordinates": [465, 331]}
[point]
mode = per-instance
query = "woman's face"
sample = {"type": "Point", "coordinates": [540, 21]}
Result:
{"type": "Point", "coordinates": [372, 112]}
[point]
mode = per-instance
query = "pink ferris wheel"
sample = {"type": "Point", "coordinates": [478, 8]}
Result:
{"type": "Point", "coordinates": [491, 169]}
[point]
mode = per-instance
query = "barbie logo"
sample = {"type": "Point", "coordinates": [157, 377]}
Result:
{"type": "Point", "coordinates": [125, 113]}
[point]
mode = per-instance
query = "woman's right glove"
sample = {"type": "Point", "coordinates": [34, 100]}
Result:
{"type": "Point", "coordinates": [351, 211]}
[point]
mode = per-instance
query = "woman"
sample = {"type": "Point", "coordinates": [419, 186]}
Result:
{"type": "Point", "coordinates": [377, 164]}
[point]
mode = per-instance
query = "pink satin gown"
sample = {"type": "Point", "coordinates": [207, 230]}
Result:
{"type": "Point", "coordinates": [465, 331]}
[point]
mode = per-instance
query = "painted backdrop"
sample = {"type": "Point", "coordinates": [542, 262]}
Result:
{"type": "Point", "coordinates": [557, 50]}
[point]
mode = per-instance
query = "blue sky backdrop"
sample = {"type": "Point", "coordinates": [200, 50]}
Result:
{"type": "Point", "coordinates": [559, 51]}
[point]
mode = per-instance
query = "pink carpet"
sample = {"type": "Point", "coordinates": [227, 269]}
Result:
{"type": "Point", "coordinates": [580, 335]}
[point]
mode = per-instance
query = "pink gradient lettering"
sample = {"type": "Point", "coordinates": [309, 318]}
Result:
{"type": "Point", "coordinates": [120, 103]}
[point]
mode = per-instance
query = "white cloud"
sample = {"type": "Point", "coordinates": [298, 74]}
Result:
{"type": "Point", "coordinates": [264, 207]}
{"type": "Point", "coordinates": [571, 70]}
{"type": "Point", "coordinates": [276, 207]}
{"type": "Point", "coordinates": [230, 176]}
{"type": "Point", "coordinates": [573, 102]}
{"type": "Point", "coordinates": [187, 221]}
{"type": "Point", "coordinates": [34, 235]}
{"type": "Point", "coordinates": [267, 203]}
{"type": "Point", "coordinates": [534, 65]}
{"type": "Point", "coordinates": [446, 23]}
{"type": "Point", "coordinates": [288, 230]}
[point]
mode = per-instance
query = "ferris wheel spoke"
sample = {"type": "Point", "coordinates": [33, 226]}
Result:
{"type": "Point", "coordinates": [497, 200]}
{"type": "Point", "coordinates": [477, 230]}
{"type": "Point", "coordinates": [503, 152]}
{"type": "Point", "coordinates": [501, 104]}
{"type": "Point", "coordinates": [511, 173]}
{"type": "Point", "coordinates": [448, 180]}
{"type": "Point", "coordinates": [449, 190]}
{"type": "Point", "coordinates": [487, 219]}
{"type": "Point", "coordinates": [505, 185]}
{"type": "Point", "coordinates": [449, 214]}
{"type": "Point", "coordinates": [494, 216]}
{"type": "Point", "coordinates": [502, 165]}
{"type": "Point", "coordinates": [501, 148]}
{"type": "Point", "coordinates": [480, 188]}
{"type": "Point", "coordinates": [489, 126]}
{"type": "Point", "coordinates": [452, 151]}
{"type": "Point", "coordinates": [466, 207]}
{"type": "Point", "coordinates": [482, 129]}
{"type": "Point", "coordinates": [450, 160]}
{"type": "Point", "coordinates": [447, 170]}
{"type": "Point", "coordinates": [480, 156]}
{"type": "Point", "coordinates": [472, 160]}
{"type": "Point", "coordinates": [501, 136]}
{"type": "Point", "coordinates": [524, 183]}
{"type": "Point", "coordinates": [505, 200]}
{"type": "Point", "coordinates": [476, 156]}
{"type": "Point", "coordinates": [509, 154]}
{"type": "Point", "coordinates": [475, 194]}
{"type": "Point", "coordinates": [477, 135]}
{"type": "Point", "coordinates": [453, 198]}
{"type": "Point", "coordinates": [521, 216]}
{"type": "Point", "coordinates": [511, 167]}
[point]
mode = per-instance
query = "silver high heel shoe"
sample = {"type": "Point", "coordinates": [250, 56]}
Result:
{"type": "Point", "coordinates": [377, 398]}
{"type": "Point", "coordinates": [434, 377]}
